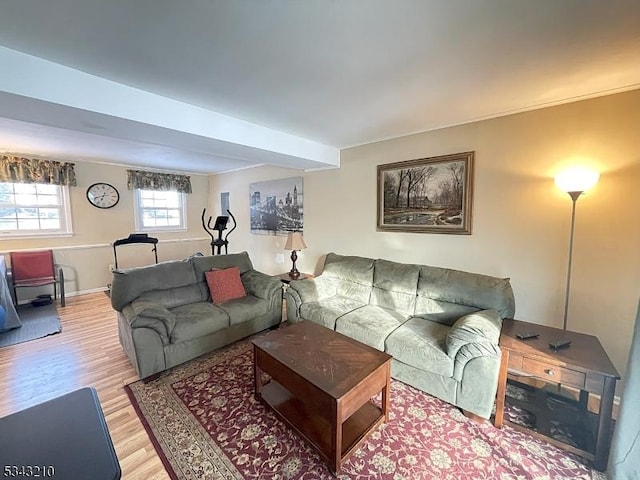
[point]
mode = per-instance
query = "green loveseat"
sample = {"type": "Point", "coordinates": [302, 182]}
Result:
{"type": "Point", "coordinates": [166, 317]}
{"type": "Point", "coordinates": [440, 326]}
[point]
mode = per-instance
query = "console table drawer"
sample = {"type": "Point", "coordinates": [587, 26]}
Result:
{"type": "Point", "coordinates": [554, 373]}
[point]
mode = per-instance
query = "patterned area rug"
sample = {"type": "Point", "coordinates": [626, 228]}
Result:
{"type": "Point", "coordinates": [205, 423]}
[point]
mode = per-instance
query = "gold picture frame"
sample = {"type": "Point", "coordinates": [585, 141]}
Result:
{"type": "Point", "coordinates": [426, 195]}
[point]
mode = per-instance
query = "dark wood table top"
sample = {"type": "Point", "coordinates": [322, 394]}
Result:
{"type": "Point", "coordinates": [332, 362]}
{"type": "Point", "coordinates": [284, 277]}
{"type": "Point", "coordinates": [585, 352]}
{"type": "Point", "coordinates": [66, 436]}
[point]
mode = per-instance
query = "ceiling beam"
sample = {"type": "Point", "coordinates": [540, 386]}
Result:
{"type": "Point", "coordinates": [42, 92]}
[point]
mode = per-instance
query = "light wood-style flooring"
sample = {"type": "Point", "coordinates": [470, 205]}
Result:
{"type": "Point", "coordinates": [86, 353]}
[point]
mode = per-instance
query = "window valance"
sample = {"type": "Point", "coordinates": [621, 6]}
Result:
{"type": "Point", "coordinates": [158, 181]}
{"type": "Point", "coordinates": [31, 170]}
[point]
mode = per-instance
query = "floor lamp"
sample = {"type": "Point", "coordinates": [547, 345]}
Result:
{"type": "Point", "coordinates": [575, 182]}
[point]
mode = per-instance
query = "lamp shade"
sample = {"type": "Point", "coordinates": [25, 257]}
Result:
{"type": "Point", "coordinates": [576, 179]}
{"type": "Point", "coordinates": [294, 241]}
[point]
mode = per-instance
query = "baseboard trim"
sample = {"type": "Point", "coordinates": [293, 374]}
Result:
{"type": "Point", "coordinates": [68, 294]}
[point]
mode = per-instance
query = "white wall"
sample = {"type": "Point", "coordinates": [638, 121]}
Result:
{"type": "Point", "coordinates": [520, 219]}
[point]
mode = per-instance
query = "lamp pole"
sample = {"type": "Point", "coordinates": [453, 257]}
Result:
{"type": "Point", "coordinates": [574, 198]}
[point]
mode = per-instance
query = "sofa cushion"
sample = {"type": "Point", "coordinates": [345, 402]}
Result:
{"type": "Point", "coordinates": [245, 309]}
{"type": "Point", "coordinates": [442, 312]}
{"type": "Point", "coordinates": [205, 264]}
{"type": "Point", "coordinates": [225, 284]}
{"type": "Point", "coordinates": [261, 285]}
{"type": "Point", "coordinates": [153, 310]}
{"type": "Point", "coordinates": [463, 288]}
{"type": "Point", "coordinates": [394, 286]}
{"type": "Point", "coordinates": [420, 343]}
{"type": "Point", "coordinates": [175, 297]}
{"type": "Point", "coordinates": [129, 284]}
{"type": "Point", "coordinates": [353, 276]}
{"type": "Point", "coordinates": [327, 311]}
{"type": "Point", "coordinates": [370, 325]}
{"type": "Point", "coordinates": [197, 320]}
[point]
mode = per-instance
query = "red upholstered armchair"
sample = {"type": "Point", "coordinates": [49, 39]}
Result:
{"type": "Point", "coordinates": [35, 269]}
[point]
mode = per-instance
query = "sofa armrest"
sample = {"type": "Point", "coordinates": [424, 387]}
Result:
{"type": "Point", "coordinates": [261, 285]}
{"type": "Point", "coordinates": [304, 291]}
{"type": "Point", "coordinates": [487, 353]}
{"type": "Point", "coordinates": [293, 303]}
{"type": "Point", "coordinates": [481, 328]}
{"type": "Point", "coordinates": [144, 314]}
{"type": "Point", "coordinates": [313, 289]}
{"type": "Point", "coordinates": [473, 336]}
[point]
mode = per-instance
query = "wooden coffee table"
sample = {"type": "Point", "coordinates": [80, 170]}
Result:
{"type": "Point", "coordinates": [322, 384]}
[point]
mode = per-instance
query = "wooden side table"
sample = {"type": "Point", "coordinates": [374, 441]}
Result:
{"type": "Point", "coordinates": [286, 279]}
{"type": "Point", "coordinates": [584, 365]}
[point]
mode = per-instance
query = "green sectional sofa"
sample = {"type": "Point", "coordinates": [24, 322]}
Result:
{"type": "Point", "coordinates": [166, 317]}
{"type": "Point", "coordinates": [441, 326]}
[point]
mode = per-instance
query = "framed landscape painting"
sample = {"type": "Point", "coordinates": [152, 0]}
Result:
{"type": "Point", "coordinates": [427, 195]}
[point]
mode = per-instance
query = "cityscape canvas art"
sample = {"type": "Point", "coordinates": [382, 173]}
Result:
{"type": "Point", "coordinates": [276, 206]}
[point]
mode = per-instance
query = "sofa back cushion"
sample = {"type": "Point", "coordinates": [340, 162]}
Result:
{"type": "Point", "coordinates": [176, 297]}
{"type": "Point", "coordinates": [352, 276]}
{"type": "Point", "coordinates": [129, 284]}
{"type": "Point", "coordinates": [443, 291]}
{"type": "Point", "coordinates": [441, 312]}
{"type": "Point", "coordinates": [204, 264]}
{"type": "Point", "coordinates": [395, 285]}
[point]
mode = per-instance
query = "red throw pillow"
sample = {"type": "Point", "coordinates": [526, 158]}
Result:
{"type": "Point", "coordinates": [225, 284]}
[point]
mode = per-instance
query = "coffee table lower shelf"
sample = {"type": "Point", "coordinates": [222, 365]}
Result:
{"type": "Point", "coordinates": [315, 429]}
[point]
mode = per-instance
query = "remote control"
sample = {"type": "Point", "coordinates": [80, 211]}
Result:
{"type": "Point", "coordinates": [560, 344]}
{"type": "Point", "coordinates": [527, 335]}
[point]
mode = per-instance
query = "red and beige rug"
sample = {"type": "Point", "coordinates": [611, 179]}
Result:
{"type": "Point", "coordinates": [205, 423]}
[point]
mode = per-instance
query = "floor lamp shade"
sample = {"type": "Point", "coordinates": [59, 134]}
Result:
{"type": "Point", "coordinates": [294, 242]}
{"type": "Point", "coordinates": [576, 179]}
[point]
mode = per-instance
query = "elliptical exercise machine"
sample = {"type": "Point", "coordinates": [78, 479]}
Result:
{"type": "Point", "coordinates": [219, 225]}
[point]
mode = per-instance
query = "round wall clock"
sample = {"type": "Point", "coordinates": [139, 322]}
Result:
{"type": "Point", "coordinates": [102, 195]}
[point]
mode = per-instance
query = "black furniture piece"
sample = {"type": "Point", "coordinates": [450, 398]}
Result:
{"type": "Point", "coordinates": [135, 238]}
{"type": "Point", "coordinates": [64, 438]}
{"type": "Point", "coordinates": [219, 226]}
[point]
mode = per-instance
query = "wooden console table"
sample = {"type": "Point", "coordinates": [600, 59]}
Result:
{"type": "Point", "coordinates": [584, 365]}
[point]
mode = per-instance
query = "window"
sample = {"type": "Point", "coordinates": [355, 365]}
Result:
{"type": "Point", "coordinates": [160, 210]}
{"type": "Point", "coordinates": [34, 209]}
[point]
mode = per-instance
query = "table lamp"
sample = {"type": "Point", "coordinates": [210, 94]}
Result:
{"type": "Point", "coordinates": [294, 242]}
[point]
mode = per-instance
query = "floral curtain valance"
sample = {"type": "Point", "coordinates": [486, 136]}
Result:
{"type": "Point", "coordinates": [158, 181]}
{"type": "Point", "coordinates": [31, 170]}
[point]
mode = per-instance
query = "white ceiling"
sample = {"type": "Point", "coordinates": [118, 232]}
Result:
{"type": "Point", "coordinates": [212, 85]}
